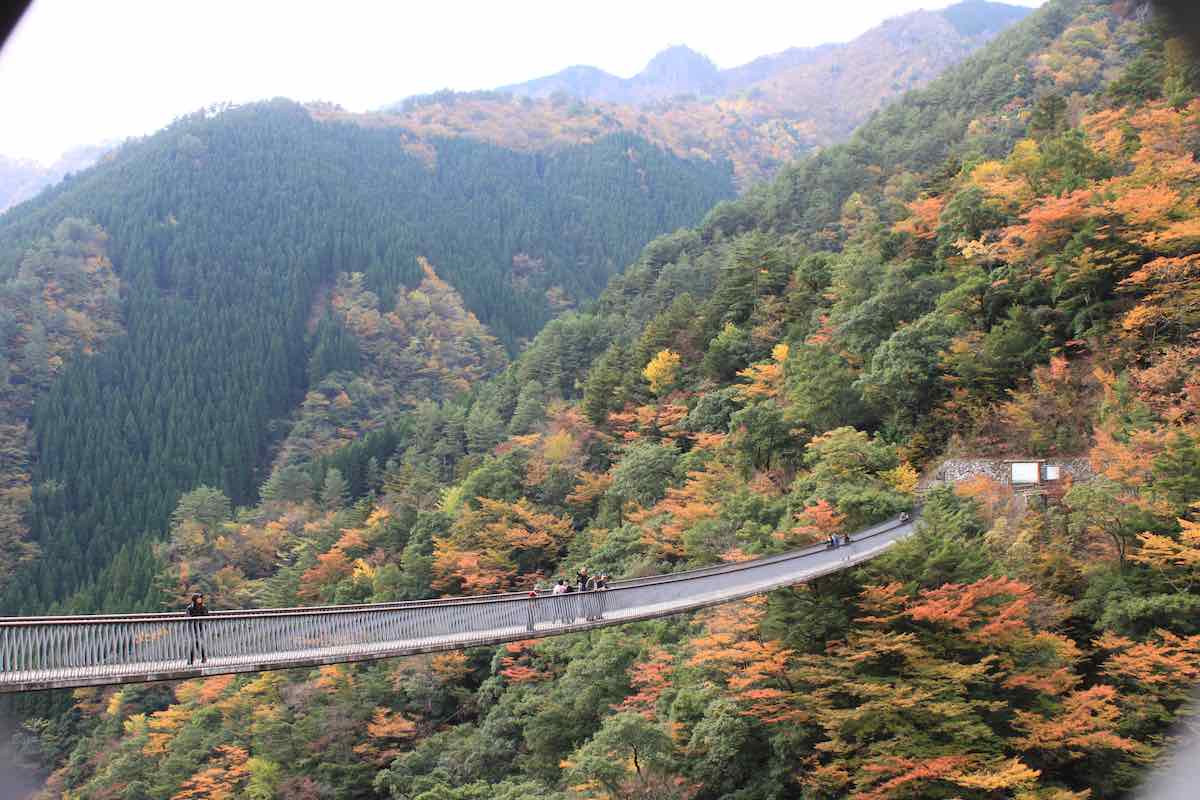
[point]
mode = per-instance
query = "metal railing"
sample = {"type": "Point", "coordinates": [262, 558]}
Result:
{"type": "Point", "coordinates": [56, 652]}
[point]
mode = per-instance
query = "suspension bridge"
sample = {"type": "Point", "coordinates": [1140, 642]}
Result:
{"type": "Point", "coordinates": [39, 653]}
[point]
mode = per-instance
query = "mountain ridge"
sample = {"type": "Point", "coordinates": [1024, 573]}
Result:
{"type": "Point", "coordinates": [678, 69]}
{"type": "Point", "coordinates": [784, 105]}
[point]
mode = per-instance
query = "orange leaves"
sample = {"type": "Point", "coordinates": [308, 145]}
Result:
{"type": "Point", "coordinates": [203, 691]}
{"type": "Point", "coordinates": [754, 670]}
{"type": "Point", "coordinates": [699, 499]}
{"type": "Point", "coordinates": [656, 421]}
{"type": "Point", "coordinates": [923, 223]}
{"type": "Point", "coordinates": [815, 523]}
{"type": "Point", "coordinates": [591, 487]}
{"type": "Point", "coordinates": [1145, 205]}
{"type": "Point", "coordinates": [1164, 133]}
{"type": "Point", "coordinates": [883, 604]}
{"type": "Point", "coordinates": [1046, 418]}
{"type": "Point", "coordinates": [1172, 556]}
{"type": "Point", "coordinates": [906, 777]}
{"type": "Point", "coordinates": [162, 726]}
{"type": "Point", "coordinates": [1168, 289]}
{"type": "Point", "coordinates": [352, 542]}
{"type": "Point", "coordinates": [1048, 223]}
{"type": "Point", "coordinates": [1166, 663]}
{"type": "Point", "coordinates": [1130, 462]}
{"type": "Point", "coordinates": [517, 667]}
{"type": "Point", "coordinates": [334, 678]}
{"type": "Point", "coordinates": [330, 568]}
{"type": "Point", "coordinates": [990, 610]}
{"type": "Point", "coordinates": [222, 780]}
{"type": "Point", "coordinates": [449, 668]}
{"type": "Point", "coordinates": [765, 379]}
{"type": "Point", "coordinates": [649, 679]}
{"type": "Point", "coordinates": [387, 724]}
{"type": "Point", "coordinates": [1086, 722]}
{"type": "Point", "coordinates": [993, 497]}
{"type": "Point", "coordinates": [387, 730]}
{"type": "Point", "coordinates": [468, 571]}
{"type": "Point", "coordinates": [490, 548]}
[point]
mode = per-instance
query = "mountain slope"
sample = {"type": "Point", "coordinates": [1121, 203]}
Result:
{"type": "Point", "coordinates": [764, 380]}
{"type": "Point", "coordinates": [759, 116]}
{"type": "Point", "coordinates": [224, 231]}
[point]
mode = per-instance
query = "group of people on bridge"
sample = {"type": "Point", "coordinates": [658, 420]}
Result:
{"type": "Point", "coordinates": [567, 610]}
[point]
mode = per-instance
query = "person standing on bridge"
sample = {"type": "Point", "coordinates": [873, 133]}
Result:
{"type": "Point", "coordinates": [532, 601]}
{"type": "Point", "coordinates": [593, 599]}
{"type": "Point", "coordinates": [601, 588]}
{"type": "Point", "coordinates": [196, 608]}
{"type": "Point", "coordinates": [560, 605]}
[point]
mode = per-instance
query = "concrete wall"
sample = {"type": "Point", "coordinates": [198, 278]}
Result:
{"type": "Point", "coordinates": [956, 470]}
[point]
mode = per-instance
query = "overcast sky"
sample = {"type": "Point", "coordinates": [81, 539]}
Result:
{"type": "Point", "coordinates": [80, 72]}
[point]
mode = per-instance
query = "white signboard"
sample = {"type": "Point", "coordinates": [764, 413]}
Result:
{"type": "Point", "coordinates": [1025, 472]}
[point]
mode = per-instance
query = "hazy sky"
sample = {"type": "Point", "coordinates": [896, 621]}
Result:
{"type": "Point", "coordinates": [80, 72]}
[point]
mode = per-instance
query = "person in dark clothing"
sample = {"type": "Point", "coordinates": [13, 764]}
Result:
{"type": "Point", "coordinates": [570, 605]}
{"type": "Point", "coordinates": [196, 608]}
{"type": "Point", "coordinates": [601, 588]}
{"type": "Point", "coordinates": [593, 603]}
{"type": "Point", "coordinates": [581, 578]}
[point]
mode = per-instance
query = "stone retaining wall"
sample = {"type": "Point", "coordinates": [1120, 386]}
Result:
{"type": "Point", "coordinates": [956, 470]}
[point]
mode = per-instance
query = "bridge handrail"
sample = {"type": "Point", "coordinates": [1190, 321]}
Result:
{"type": "Point", "coordinates": [175, 617]}
{"type": "Point", "coordinates": [91, 651]}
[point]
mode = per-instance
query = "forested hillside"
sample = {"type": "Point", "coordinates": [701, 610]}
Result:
{"type": "Point", "coordinates": [992, 266]}
{"type": "Point", "coordinates": [227, 233]}
{"type": "Point", "coordinates": [760, 116]}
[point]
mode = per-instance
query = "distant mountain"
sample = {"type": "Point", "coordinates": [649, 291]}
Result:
{"type": "Point", "coordinates": [679, 70]}
{"type": "Point", "coordinates": [759, 116]}
{"type": "Point", "coordinates": [21, 178]}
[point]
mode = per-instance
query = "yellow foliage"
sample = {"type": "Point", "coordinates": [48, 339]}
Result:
{"type": "Point", "coordinates": [380, 514]}
{"type": "Point", "coordinates": [334, 677]}
{"type": "Point", "coordinates": [163, 726]}
{"type": "Point", "coordinates": [766, 377]}
{"type": "Point", "coordinates": [662, 371]}
{"type": "Point", "coordinates": [363, 571]}
{"type": "Point", "coordinates": [1013, 773]}
{"type": "Point", "coordinates": [135, 725]}
{"type": "Point", "coordinates": [903, 478]}
{"type": "Point", "coordinates": [558, 447]}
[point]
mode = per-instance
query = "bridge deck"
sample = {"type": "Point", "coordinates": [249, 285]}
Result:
{"type": "Point", "coordinates": [60, 652]}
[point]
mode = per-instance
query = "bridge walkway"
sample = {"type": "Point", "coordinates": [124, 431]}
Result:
{"type": "Point", "coordinates": [39, 653]}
